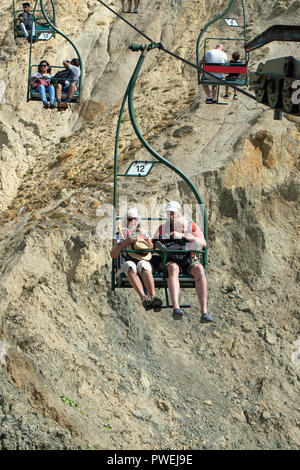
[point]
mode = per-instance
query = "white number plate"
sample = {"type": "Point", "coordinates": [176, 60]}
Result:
{"type": "Point", "coordinates": [139, 169]}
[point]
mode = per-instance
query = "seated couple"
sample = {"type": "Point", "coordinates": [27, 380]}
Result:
{"type": "Point", "coordinates": [174, 233]}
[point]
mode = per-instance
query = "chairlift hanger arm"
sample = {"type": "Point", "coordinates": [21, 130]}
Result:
{"type": "Point", "coordinates": [143, 140]}
{"type": "Point", "coordinates": [191, 64]}
{"type": "Point", "coordinates": [274, 33]}
{"type": "Point", "coordinates": [58, 31]}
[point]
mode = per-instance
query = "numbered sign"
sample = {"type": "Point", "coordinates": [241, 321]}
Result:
{"type": "Point", "coordinates": [45, 36]}
{"type": "Point", "coordinates": [139, 169]}
{"type": "Point", "coordinates": [231, 22]}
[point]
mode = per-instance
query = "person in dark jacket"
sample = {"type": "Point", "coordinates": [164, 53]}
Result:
{"type": "Point", "coordinates": [26, 19]}
{"type": "Point", "coordinates": [234, 61]}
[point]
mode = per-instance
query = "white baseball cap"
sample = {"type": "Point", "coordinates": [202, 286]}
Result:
{"type": "Point", "coordinates": [173, 206]}
{"type": "Point", "coordinates": [133, 212]}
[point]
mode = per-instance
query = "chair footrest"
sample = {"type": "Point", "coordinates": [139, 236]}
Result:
{"type": "Point", "coordinates": [205, 81]}
{"type": "Point", "coordinates": [35, 96]}
{"type": "Point", "coordinates": [185, 280]}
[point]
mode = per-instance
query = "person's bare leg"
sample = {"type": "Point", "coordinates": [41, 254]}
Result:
{"type": "Point", "coordinates": [58, 90]}
{"type": "Point", "coordinates": [198, 273]}
{"type": "Point", "coordinates": [173, 284]}
{"type": "Point", "coordinates": [148, 282]}
{"type": "Point", "coordinates": [71, 90]}
{"type": "Point", "coordinates": [129, 6]}
{"type": "Point", "coordinates": [214, 92]}
{"type": "Point", "coordinates": [206, 91]}
{"type": "Point", "coordinates": [135, 282]}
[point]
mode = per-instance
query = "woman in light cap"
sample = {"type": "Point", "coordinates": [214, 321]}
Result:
{"type": "Point", "coordinates": [136, 264]}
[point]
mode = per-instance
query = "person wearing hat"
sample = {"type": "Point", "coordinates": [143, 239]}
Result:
{"type": "Point", "coordinates": [167, 234]}
{"type": "Point", "coordinates": [133, 236]}
{"type": "Point", "coordinates": [25, 18]}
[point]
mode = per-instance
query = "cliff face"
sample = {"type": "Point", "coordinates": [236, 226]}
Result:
{"type": "Point", "coordinates": [84, 367]}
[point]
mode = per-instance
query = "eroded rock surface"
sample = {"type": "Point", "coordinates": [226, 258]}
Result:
{"type": "Point", "coordinates": [83, 367]}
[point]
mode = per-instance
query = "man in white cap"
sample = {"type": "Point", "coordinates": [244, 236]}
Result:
{"type": "Point", "coordinates": [164, 236]}
{"type": "Point", "coordinates": [127, 235]}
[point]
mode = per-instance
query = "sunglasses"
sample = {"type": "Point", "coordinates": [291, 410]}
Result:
{"type": "Point", "coordinates": [44, 65]}
{"type": "Point", "coordinates": [132, 218]}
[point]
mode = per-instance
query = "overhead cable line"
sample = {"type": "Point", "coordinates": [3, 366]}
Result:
{"type": "Point", "coordinates": [191, 64]}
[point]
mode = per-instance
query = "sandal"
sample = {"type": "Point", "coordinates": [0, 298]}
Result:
{"type": "Point", "coordinates": [156, 303]}
{"type": "Point", "coordinates": [160, 246]}
{"type": "Point", "coordinates": [206, 318]}
{"type": "Point", "coordinates": [177, 313]}
{"type": "Point", "coordinates": [147, 302]}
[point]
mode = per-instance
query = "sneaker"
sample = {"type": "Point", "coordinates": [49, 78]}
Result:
{"type": "Point", "coordinates": [52, 105]}
{"type": "Point", "coordinates": [213, 100]}
{"type": "Point", "coordinates": [156, 303]}
{"type": "Point", "coordinates": [46, 105]}
{"type": "Point", "coordinates": [208, 100]}
{"type": "Point", "coordinates": [235, 97]}
{"type": "Point", "coordinates": [147, 302]}
{"type": "Point", "coordinates": [226, 96]}
{"type": "Point", "coordinates": [177, 313]}
{"type": "Point", "coordinates": [135, 10]}
{"type": "Point", "coordinates": [205, 318]}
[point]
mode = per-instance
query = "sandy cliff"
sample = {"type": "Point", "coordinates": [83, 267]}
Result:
{"type": "Point", "coordinates": [84, 367]}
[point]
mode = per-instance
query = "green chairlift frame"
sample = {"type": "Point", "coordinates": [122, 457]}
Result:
{"type": "Point", "coordinates": [42, 31]}
{"type": "Point", "coordinates": [33, 95]}
{"type": "Point", "coordinates": [160, 279]}
{"type": "Point", "coordinates": [242, 69]}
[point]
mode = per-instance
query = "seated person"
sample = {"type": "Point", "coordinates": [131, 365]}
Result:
{"type": "Point", "coordinates": [213, 56]}
{"type": "Point", "coordinates": [26, 19]}
{"type": "Point", "coordinates": [167, 235]}
{"type": "Point", "coordinates": [179, 237]}
{"type": "Point", "coordinates": [133, 264]}
{"type": "Point", "coordinates": [68, 85]}
{"type": "Point", "coordinates": [234, 61]}
{"type": "Point", "coordinates": [41, 81]}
